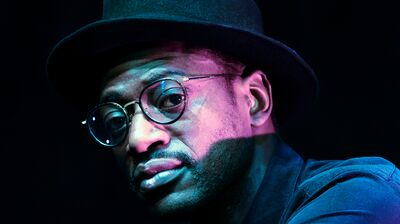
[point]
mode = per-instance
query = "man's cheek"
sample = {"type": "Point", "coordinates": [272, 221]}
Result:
{"type": "Point", "coordinates": [124, 161]}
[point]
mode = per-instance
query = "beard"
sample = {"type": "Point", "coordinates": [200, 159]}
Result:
{"type": "Point", "coordinates": [215, 183]}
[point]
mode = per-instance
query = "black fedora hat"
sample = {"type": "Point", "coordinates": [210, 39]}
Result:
{"type": "Point", "coordinates": [234, 27]}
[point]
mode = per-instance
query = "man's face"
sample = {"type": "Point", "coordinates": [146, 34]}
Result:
{"type": "Point", "coordinates": [182, 166]}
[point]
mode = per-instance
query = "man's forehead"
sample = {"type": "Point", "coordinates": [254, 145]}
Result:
{"type": "Point", "coordinates": [150, 64]}
{"type": "Point", "coordinates": [174, 56]}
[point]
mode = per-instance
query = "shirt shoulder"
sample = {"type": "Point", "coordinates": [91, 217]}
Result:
{"type": "Point", "coordinates": [317, 174]}
{"type": "Point", "coordinates": [358, 190]}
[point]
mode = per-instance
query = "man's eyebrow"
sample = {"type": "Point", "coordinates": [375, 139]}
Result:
{"type": "Point", "coordinates": [112, 97]}
{"type": "Point", "coordinates": [155, 76]}
{"type": "Point", "coordinates": [131, 64]}
{"type": "Point", "coordinates": [115, 96]}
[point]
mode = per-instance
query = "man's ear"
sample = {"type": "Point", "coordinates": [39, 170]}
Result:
{"type": "Point", "coordinates": [260, 97]}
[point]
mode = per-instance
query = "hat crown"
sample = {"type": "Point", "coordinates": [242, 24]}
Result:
{"type": "Point", "coordinates": [241, 14]}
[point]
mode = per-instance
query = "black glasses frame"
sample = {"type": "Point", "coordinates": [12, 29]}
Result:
{"type": "Point", "coordinates": [128, 115]}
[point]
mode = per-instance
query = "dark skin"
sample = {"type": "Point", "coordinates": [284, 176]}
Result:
{"type": "Point", "coordinates": [208, 165]}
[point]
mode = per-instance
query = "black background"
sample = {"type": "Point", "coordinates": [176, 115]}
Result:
{"type": "Point", "coordinates": [51, 173]}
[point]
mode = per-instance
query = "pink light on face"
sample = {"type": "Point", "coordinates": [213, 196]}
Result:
{"type": "Point", "coordinates": [200, 153]}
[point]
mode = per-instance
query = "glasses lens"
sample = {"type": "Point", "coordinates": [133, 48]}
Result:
{"type": "Point", "coordinates": [164, 101]}
{"type": "Point", "coordinates": [108, 124]}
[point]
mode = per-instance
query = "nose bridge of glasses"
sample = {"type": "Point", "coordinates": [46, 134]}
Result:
{"type": "Point", "coordinates": [131, 109]}
{"type": "Point", "coordinates": [130, 104]}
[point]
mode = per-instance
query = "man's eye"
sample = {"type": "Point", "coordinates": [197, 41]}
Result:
{"type": "Point", "coordinates": [170, 101]}
{"type": "Point", "coordinates": [114, 121]}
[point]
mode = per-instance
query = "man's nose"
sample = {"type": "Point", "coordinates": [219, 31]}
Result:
{"type": "Point", "coordinates": [145, 134]}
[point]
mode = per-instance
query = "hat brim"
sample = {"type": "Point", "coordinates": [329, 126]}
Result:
{"type": "Point", "coordinates": [76, 64]}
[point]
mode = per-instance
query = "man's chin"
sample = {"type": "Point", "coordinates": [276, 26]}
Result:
{"type": "Point", "coordinates": [175, 206]}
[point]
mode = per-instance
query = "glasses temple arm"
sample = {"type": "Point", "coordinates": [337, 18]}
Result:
{"type": "Point", "coordinates": [206, 76]}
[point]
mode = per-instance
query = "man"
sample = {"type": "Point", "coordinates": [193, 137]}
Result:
{"type": "Point", "coordinates": [190, 97]}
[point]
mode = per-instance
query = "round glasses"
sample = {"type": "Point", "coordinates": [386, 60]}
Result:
{"type": "Point", "coordinates": [162, 102]}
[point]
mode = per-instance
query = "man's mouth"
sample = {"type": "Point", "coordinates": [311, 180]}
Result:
{"type": "Point", "coordinates": [156, 173]}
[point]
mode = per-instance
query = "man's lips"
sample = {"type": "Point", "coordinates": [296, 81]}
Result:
{"type": "Point", "coordinates": [156, 172]}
